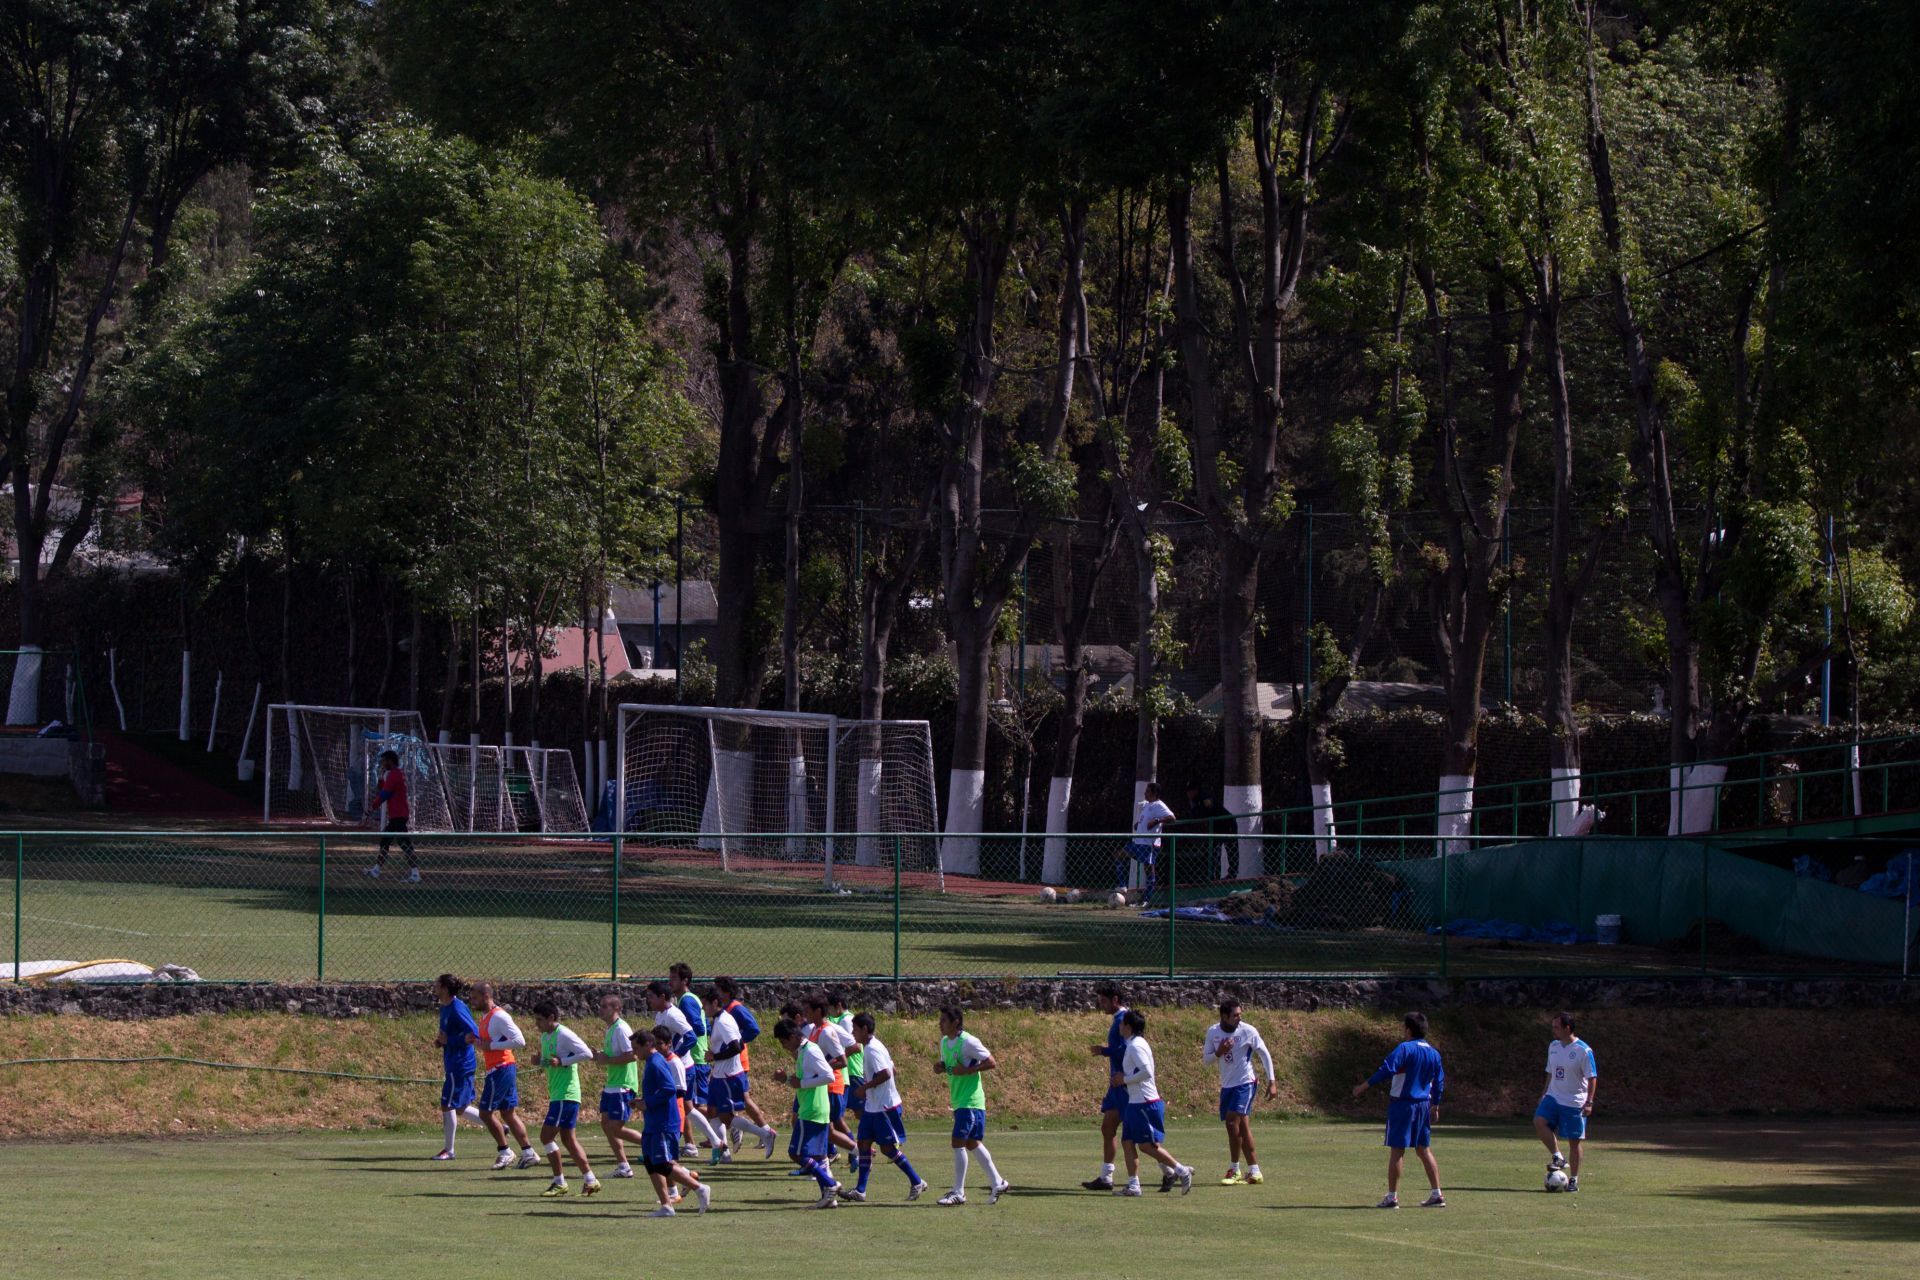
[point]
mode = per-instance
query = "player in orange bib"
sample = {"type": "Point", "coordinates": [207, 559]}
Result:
{"type": "Point", "coordinates": [500, 1091]}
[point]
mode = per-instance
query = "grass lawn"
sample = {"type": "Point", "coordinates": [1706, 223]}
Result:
{"type": "Point", "coordinates": [249, 911]}
{"type": "Point", "coordinates": [1681, 1199]}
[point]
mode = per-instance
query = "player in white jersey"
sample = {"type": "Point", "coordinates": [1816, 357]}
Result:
{"type": "Point", "coordinates": [1234, 1046]}
{"type": "Point", "coordinates": [1144, 1126]}
{"type": "Point", "coordinates": [667, 1014]}
{"type": "Point", "coordinates": [727, 1085]}
{"type": "Point", "coordinates": [882, 1119]}
{"type": "Point", "coordinates": [1573, 1082]}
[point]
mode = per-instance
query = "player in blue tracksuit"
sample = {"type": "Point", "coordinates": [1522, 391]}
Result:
{"type": "Point", "coordinates": [1111, 1000]}
{"type": "Point", "coordinates": [456, 1056]}
{"type": "Point", "coordinates": [1416, 1081]}
{"type": "Point", "coordinates": [662, 1084]}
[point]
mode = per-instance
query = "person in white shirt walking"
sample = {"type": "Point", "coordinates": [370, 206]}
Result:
{"type": "Point", "coordinates": [1573, 1082]}
{"type": "Point", "coordinates": [1233, 1046]}
{"type": "Point", "coordinates": [1144, 1126]}
{"type": "Point", "coordinates": [1144, 848]}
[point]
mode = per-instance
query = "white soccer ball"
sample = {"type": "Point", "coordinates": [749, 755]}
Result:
{"type": "Point", "coordinates": [1557, 1180]}
{"type": "Point", "coordinates": [1117, 899]}
{"type": "Point", "coordinates": [1074, 895]}
{"type": "Point", "coordinates": [1047, 894]}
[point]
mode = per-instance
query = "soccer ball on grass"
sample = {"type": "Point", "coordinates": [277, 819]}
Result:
{"type": "Point", "coordinates": [1047, 894]}
{"type": "Point", "coordinates": [1117, 899]}
{"type": "Point", "coordinates": [1557, 1180]}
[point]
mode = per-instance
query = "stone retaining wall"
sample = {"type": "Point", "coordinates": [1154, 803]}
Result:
{"type": "Point", "coordinates": [331, 1000]}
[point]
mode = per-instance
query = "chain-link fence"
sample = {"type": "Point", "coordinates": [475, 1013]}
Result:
{"type": "Point", "coordinates": [293, 906]}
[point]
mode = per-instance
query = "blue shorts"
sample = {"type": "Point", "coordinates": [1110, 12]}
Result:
{"type": "Point", "coordinates": [969, 1125]}
{"type": "Point", "coordinates": [854, 1081]}
{"type": "Point", "coordinates": [836, 1106]}
{"type": "Point", "coordinates": [811, 1140]}
{"type": "Point", "coordinates": [1237, 1101]}
{"type": "Point", "coordinates": [1116, 1100]}
{"type": "Point", "coordinates": [1144, 1121]}
{"type": "Point", "coordinates": [616, 1104]}
{"type": "Point", "coordinates": [699, 1083]}
{"type": "Point", "coordinates": [501, 1089]}
{"type": "Point", "coordinates": [456, 1089]}
{"type": "Point", "coordinates": [1140, 851]}
{"type": "Point", "coordinates": [658, 1148]}
{"type": "Point", "coordinates": [885, 1128]}
{"type": "Point", "coordinates": [562, 1115]}
{"type": "Point", "coordinates": [728, 1094]}
{"type": "Point", "coordinates": [1565, 1121]}
{"type": "Point", "coordinates": [1409, 1123]}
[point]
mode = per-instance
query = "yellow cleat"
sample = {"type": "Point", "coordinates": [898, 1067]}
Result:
{"type": "Point", "coordinates": [1232, 1179]}
{"type": "Point", "coordinates": [554, 1189]}
{"type": "Point", "coordinates": [590, 1188]}
{"type": "Point", "coordinates": [1256, 1179]}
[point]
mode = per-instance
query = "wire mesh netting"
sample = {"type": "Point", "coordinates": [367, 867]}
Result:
{"type": "Point", "coordinates": [362, 906]}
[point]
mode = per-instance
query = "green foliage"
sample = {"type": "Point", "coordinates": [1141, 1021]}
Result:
{"type": "Point", "coordinates": [1042, 484]}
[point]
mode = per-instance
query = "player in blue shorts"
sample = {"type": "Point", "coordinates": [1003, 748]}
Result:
{"type": "Point", "coordinates": [727, 1087]}
{"type": "Point", "coordinates": [622, 1057]}
{"type": "Point", "coordinates": [500, 1084]}
{"type": "Point", "coordinates": [1233, 1046]}
{"type": "Point", "coordinates": [455, 1042]}
{"type": "Point", "coordinates": [1144, 1127]}
{"type": "Point", "coordinates": [699, 1071]}
{"type": "Point", "coordinates": [1416, 1081]}
{"type": "Point", "coordinates": [749, 1031]}
{"type": "Point", "coordinates": [561, 1052]}
{"type": "Point", "coordinates": [1573, 1082]}
{"type": "Point", "coordinates": [963, 1061]}
{"type": "Point", "coordinates": [660, 1096]}
{"type": "Point", "coordinates": [882, 1121]}
{"type": "Point", "coordinates": [1111, 1000]}
{"type": "Point", "coordinates": [812, 1127]}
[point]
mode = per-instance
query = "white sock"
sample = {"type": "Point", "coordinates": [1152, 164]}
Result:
{"type": "Point", "coordinates": [749, 1127]}
{"type": "Point", "coordinates": [471, 1113]}
{"type": "Point", "coordinates": [529, 1151]}
{"type": "Point", "coordinates": [959, 1170]}
{"type": "Point", "coordinates": [985, 1158]}
{"type": "Point", "coordinates": [707, 1130]}
{"type": "Point", "coordinates": [1106, 1171]}
{"type": "Point", "coordinates": [450, 1123]}
{"type": "Point", "coordinates": [1253, 1168]}
{"type": "Point", "coordinates": [1133, 1179]}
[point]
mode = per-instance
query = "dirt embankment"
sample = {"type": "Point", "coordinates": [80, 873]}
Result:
{"type": "Point", "coordinates": [1653, 1062]}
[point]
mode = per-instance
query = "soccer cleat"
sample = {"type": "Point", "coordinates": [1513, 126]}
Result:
{"type": "Point", "coordinates": [1434, 1201]}
{"type": "Point", "coordinates": [704, 1194]}
{"type": "Point", "coordinates": [554, 1188]}
{"type": "Point", "coordinates": [827, 1200]}
{"type": "Point", "coordinates": [1558, 1162]}
{"type": "Point", "coordinates": [1232, 1179]}
{"type": "Point", "coordinates": [664, 1211]}
{"type": "Point", "coordinates": [444, 1155]}
{"type": "Point", "coordinates": [1166, 1182]}
{"type": "Point", "coordinates": [1256, 1177]}
{"type": "Point", "coordinates": [591, 1187]}
{"type": "Point", "coordinates": [503, 1161]}
{"type": "Point", "coordinates": [1573, 1184]}
{"type": "Point", "coordinates": [674, 1196]}
{"type": "Point", "coordinates": [1102, 1183]}
{"type": "Point", "coordinates": [798, 1173]}
{"type": "Point", "coordinates": [623, 1171]}
{"type": "Point", "coordinates": [997, 1190]}
{"type": "Point", "coordinates": [1131, 1189]}
{"type": "Point", "coordinates": [856, 1196]}
{"type": "Point", "coordinates": [373, 872]}
{"type": "Point", "coordinates": [1388, 1201]}
{"type": "Point", "coordinates": [919, 1189]}
{"type": "Point", "coordinates": [528, 1159]}
{"type": "Point", "coordinates": [1185, 1178]}
{"type": "Point", "coordinates": [952, 1198]}
{"type": "Point", "coordinates": [413, 875]}
{"type": "Point", "coordinates": [768, 1143]}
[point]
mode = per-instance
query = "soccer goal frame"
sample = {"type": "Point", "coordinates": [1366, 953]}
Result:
{"type": "Point", "coordinates": [795, 786]}
{"type": "Point", "coordinates": [339, 749]}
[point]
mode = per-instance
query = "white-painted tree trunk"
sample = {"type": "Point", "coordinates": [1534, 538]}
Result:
{"type": "Point", "coordinates": [1326, 840]}
{"type": "Point", "coordinates": [1245, 803]}
{"type": "Point", "coordinates": [966, 812]}
{"type": "Point", "coordinates": [23, 701]}
{"type": "Point", "coordinates": [870, 849]}
{"type": "Point", "coordinates": [1455, 812]}
{"type": "Point", "coordinates": [1694, 797]}
{"type": "Point", "coordinates": [213, 723]}
{"type": "Point", "coordinates": [796, 805]}
{"type": "Point", "coordinates": [1567, 816]}
{"type": "Point", "coordinates": [295, 773]}
{"type": "Point", "coordinates": [113, 683]}
{"type": "Point", "coordinates": [245, 762]}
{"type": "Point", "coordinates": [1853, 774]}
{"type": "Point", "coordinates": [1053, 857]}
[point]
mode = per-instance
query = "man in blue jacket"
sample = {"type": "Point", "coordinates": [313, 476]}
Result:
{"type": "Point", "coordinates": [1416, 1082]}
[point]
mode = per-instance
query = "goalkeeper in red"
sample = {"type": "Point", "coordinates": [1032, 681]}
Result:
{"type": "Point", "coordinates": [392, 793]}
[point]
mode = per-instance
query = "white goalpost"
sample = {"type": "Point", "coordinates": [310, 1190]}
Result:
{"type": "Point", "coordinates": [322, 765]}
{"type": "Point", "coordinates": [797, 786]}
{"type": "Point", "coordinates": [531, 789]}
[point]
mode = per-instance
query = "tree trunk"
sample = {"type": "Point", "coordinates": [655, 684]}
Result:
{"type": "Point", "coordinates": [1072, 615]}
{"type": "Point", "coordinates": [450, 686]}
{"type": "Point", "coordinates": [416, 638]}
{"type": "Point", "coordinates": [1240, 720]}
{"type": "Point", "coordinates": [353, 641]}
{"type": "Point", "coordinates": [1146, 603]}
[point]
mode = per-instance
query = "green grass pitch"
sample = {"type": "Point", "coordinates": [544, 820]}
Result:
{"type": "Point", "coordinates": [1755, 1198]}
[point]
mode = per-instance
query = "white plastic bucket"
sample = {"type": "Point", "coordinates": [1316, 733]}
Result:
{"type": "Point", "coordinates": [1607, 929]}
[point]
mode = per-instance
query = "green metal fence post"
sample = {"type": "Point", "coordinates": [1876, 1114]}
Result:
{"type": "Point", "coordinates": [896, 906]}
{"type": "Point", "coordinates": [320, 934]}
{"type": "Point", "coordinates": [19, 887]}
{"type": "Point", "coordinates": [613, 948]}
{"type": "Point", "coordinates": [1173, 897]}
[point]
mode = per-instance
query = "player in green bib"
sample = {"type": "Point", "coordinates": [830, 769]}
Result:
{"type": "Point", "coordinates": [622, 1057]}
{"type": "Point", "coordinates": [842, 1017]}
{"type": "Point", "coordinates": [812, 1081]}
{"type": "Point", "coordinates": [561, 1052]}
{"type": "Point", "coordinates": [962, 1060]}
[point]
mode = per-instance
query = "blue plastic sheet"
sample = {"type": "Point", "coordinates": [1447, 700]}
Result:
{"type": "Point", "coordinates": [1556, 933]}
{"type": "Point", "coordinates": [1897, 880]}
{"type": "Point", "coordinates": [1811, 868]}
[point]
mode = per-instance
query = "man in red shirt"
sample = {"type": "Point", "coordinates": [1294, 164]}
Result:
{"type": "Point", "coordinates": [392, 792]}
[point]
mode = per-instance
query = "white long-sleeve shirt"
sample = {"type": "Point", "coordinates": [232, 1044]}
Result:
{"type": "Point", "coordinates": [1236, 1067]}
{"type": "Point", "coordinates": [811, 1066]}
{"type": "Point", "coordinates": [500, 1031]}
{"type": "Point", "coordinates": [1136, 1068]}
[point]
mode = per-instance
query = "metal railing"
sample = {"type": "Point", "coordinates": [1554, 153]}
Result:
{"type": "Point", "coordinates": [284, 906]}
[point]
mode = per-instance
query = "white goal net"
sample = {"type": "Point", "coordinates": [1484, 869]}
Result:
{"type": "Point", "coordinates": [778, 784]}
{"type": "Point", "coordinates": [322, 765]}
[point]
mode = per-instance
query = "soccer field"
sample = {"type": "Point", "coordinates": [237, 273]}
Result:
{"type": "Point", "coordinates": [1752, 1198]}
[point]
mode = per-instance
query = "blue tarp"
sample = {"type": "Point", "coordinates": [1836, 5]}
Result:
{"type": "Point", "coordinates": [1554, 932]}
{"type": "Point", "coordinates": [1812, 868]}
{"type": "Point", "coordinates": [1897, 881]}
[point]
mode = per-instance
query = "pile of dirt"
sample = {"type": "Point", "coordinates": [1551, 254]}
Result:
{"type": "Point", "coordinates": [1270, 899]}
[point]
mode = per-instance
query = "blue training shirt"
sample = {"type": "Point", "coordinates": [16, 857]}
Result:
{"type": "Point", "coordinates": [456, 1024]}
{"type": "Point", "coordinates": [660, 1096]}
{"type": "Point", "coordinates": [1415, 1073]}
{"type": "Point", "coordinates": [1116, 1042]}
{"type": "Point", "coordinates": [744, 1019]}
